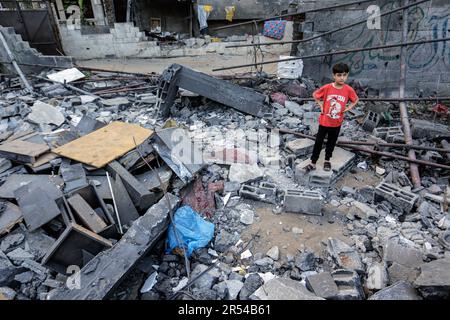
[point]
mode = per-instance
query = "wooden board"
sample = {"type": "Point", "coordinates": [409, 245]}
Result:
{"type": "Point", "coordinates": [105, 144]}
{"type": "Point", "coordinates": [89, 217]}
{"type": "Point", "coordinates": [22, 151]}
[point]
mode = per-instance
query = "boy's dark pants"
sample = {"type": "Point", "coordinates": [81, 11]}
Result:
{"type": "Point", "coordinates": [333, 134]}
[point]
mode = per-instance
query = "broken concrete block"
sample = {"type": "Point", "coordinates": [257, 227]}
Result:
{"type": "Point", "coordinates": [396, 250]}
{"type": "Point", "coordinates": [101, 274]}
{"type": "Point", "coordinates": [323, 285]}
{"type": "Point", "coordinates": [377, 276]}
{"type": "Point", "coordinates": [294, 108]}
{"type": "Point", "coordinates": [303, 201]}
{"type": "Point", "coordinates": [251, 284]}
{"type": "Point", "coordinates": [398, 272]}
{"type": "Point", "coordinates": [11, 241]}
{"type": "Point", "coordinates": [398, 197]}
{"type": "Point", "coordinates": [434, 279]}
{"type": "Point", "coordinates": [398, 291]}
{"type": "Point", "coordinates": [305, 261]}
{"type": "Point", "coordinates": [244, 172]}
{"type": "Point", "coordinates": [233, 288]}
{"type": "Point", "coordinates": [426, 129]}
{"type": "Point", "coordinates": [224, 240]}
{"type": "Point", "coordinates": [349, 284]}
{"type": "Point", "coordinates": [345, 256]}
{"type": "Point", "coordinates": [273, 253]}
{"type": "Point", "coordinates": [7, 270]}
{"type": "Point", "coordinates": [283, 289]}
{"type": "Point", "coordinates": [363, 211]}
{"type": "Point", "coordinates": [300, 147]}
{"type": "Point", "coordinates": [19, 255]}
{"type": "Point", "coordinates": [246, 216]}
{"type": "Point", "coordinates": [207, 280]}
{"type": "Point", "coordinates": [43, 113]}
{"type": "Point", "coordinates": [7, 293]}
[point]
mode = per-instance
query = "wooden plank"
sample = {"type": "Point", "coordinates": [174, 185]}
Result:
{"type": "Point", "coordinates": [22, 151]}
{"type": "Point", "coordinates": [105, 144]}
{"type": "Point", "coordinates": [87, 215]}
{"type": "Point", "coordinates": [104, 272]}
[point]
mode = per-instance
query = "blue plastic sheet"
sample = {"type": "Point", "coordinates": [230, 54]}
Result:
{"type": "Point", "coordinates": [193, 231]}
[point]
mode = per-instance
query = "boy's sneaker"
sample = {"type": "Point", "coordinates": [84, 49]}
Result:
{"type": "Point", "coordinates": [327, 166]}
{"type": "Point", "coordinates": [309, 167]}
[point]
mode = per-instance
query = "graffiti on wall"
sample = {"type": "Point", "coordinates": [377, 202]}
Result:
{"type": "Point", "coordinates": [435, 23]}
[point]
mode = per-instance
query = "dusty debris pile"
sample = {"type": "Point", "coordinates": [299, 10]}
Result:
{"type": "Point", "coordinates": [92, 179]}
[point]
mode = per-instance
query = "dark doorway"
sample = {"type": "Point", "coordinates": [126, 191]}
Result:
{"type": "Point", "coordinates": [120, 9]}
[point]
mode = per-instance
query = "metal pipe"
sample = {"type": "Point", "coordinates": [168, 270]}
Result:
{"type": "Point", "coordinates": [384, 99]}
{"type": "Point", "coordinates": [413, 168]}
{"type": "Point", "coordinates": [114, 203]}
{"type": "Point", "coordinates": [381, 153]}
{"type": "Point", "coordinates": [404, 44]}
{"type": "Point", "coordinates": [73, 88]}
{"type": "Point", "coordinates": [368, 143]}
{"type": "Point", "coordinates": [292, 14]}
{"type": "Point", "coordinates": [14, 63]}
{"type": "Point", "coordinates": [332, 31]}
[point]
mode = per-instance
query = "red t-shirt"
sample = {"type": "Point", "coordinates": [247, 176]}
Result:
{"type": "Point", "coordinates": [334, 103]}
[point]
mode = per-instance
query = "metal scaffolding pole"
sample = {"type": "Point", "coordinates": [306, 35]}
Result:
{"type": "Point", "coordinates": [366, 150]}
{"type": "Point", "coordinates": [403, 44]}
{"type": "Point", "coordinates": [331, 31]}
{"type": "Point", "coordinates": [413, 168]}
{"type": "Point", "coordinates": [292, 14]}
{"type": "Point", "coordinates": [369, 99]}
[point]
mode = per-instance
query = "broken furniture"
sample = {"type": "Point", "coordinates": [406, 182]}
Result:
{"type": "Point", "coordinates": [75, 247]}
{"type": "Point", "coordinates": [103, 273]}
{"type": "Point", "coordinates": [231, 95]}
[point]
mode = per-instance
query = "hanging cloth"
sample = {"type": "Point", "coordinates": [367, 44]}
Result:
{"type": "Point", "coordinates": [203, 14]}
{"type": "Point", "coordinates": [230, 10]}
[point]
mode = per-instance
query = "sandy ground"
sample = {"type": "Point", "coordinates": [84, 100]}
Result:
{"type": "Point", "coordinates": [200, 63]}
{"type": "Point", "coordinates": [316, 229]}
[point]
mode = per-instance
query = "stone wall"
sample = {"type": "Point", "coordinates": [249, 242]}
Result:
{"type": "Point", "coordinates": [127, 41]}
{"type": "Point", "coordinates": [428, 65]}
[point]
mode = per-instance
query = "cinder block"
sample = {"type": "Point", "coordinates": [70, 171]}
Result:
{"type": "Point", "coordinates": [398, 197]}
{"type": "Point", "coordinates": [303, 201]}
{"type": "Point", "coordinates": [389, 133]}
{"type": "Point", "coordinates": [371, 121]}
{"type": "Point", "coordinates": [269, 189]}
{"type": "Point", "coordinates": [266, 193]}
{"type": "Point", "coordinates": [301, 147]}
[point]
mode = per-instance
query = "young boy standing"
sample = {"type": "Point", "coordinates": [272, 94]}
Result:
{"type": "Point", "coordinates": [332, 99]}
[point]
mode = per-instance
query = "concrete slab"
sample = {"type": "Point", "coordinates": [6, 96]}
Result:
{"type": "Point", "coordinates": [341, 161]}
{"type": "Point", "coordinates": [283, 289]}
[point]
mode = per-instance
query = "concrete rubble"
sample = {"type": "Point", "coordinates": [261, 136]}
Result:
{"type": "Point", "coordinates": [393, 243]}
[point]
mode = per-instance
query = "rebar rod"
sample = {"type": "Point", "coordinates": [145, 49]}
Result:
{"type": "Point", "coordinates": [331, 31]}
{"type": "Point", "coordinates": [403, 44]}
{"type": "Point", "coordinates": [292, 14]}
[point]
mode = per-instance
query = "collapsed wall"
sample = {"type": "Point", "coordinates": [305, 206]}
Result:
{"type": "Point", "coordinates": [29, 59]}
{"type": "Point", "coordinates": [428, 64]}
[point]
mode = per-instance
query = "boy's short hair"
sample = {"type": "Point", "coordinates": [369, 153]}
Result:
{"type": "Point", "coordinates": [341, 68]}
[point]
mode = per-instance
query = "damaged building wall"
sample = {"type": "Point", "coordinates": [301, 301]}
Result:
{"type": "Point", "coordinates": [428, 65]}
{"type": "Point", "coordinates": [173, 15]}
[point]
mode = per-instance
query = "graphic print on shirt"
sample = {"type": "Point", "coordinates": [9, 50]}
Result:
{"type": "Point", "coordinates": [334, 111]}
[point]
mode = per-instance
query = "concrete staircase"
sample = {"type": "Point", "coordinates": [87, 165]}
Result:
{"type": "Point", "coordinates": [29, 59]}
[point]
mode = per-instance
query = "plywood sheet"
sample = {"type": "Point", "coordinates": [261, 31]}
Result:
{"type": "Point", "coordinates": [105, 144]}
